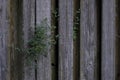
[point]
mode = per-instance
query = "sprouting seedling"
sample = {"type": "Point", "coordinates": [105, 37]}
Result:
{"type": "Point", "coordinates": [55, 13]}
{"type": "Point", "coordinates": [76, 24]}
{"type": "Point", "coordinates": [38, 45]}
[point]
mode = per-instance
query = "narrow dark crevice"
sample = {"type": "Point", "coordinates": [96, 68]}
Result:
{"type": "Point", "coordinates": [35, 70]}
{"type": "Point", "coordinates": [56, 46]}
{"type": "Point", "coordinates": [54, 49]}
{"type": "Point", "coordinates": [18, 39]}
{"type": "Point", "coordinates": [76, 38]}
{"type": "Point", "coordinates": [35, 14]}
{"type": "Point", "coordinates": [35, 24]}
{"type": "Point", "coordinates": [117, 77]}
{"type": "Point", "coordinates": [99, 37]}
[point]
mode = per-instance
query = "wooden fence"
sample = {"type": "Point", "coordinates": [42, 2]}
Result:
{"type": "Point", "coordinates": [87, 43]}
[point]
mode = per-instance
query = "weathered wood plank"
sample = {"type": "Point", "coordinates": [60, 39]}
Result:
{"type": "Point", "coordinates": [43, 11]}
{"type": "Point", "coordinates": [3, 39]}
{"type": "Point", "coordinates": [108, 39]}
{"type": "Point", "coordinates": [88, 40]}
{"type": "Point", "coordinates": [65, 40]}
{"type": "Point", "coordinates": [0, 69]}
{"type": "Point", "coordinates": [28, 28]}
{"type": "Point", "coordinates": [15, 66]}
{"type": "Point", "coordinates": [11, 40]}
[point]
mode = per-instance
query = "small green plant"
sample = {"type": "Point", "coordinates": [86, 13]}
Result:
{"type": "Point", "coordinates": [54, 25]}
{"type": "Point", "coordinates": [76, 24]}
{"type": "Point", "coordinates": [55, 13]}
{"type": "Point", "coordinates": [38, 44]}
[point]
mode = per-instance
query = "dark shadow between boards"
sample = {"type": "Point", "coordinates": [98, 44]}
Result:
{"type": "Point", "coordinates": [117, 77]}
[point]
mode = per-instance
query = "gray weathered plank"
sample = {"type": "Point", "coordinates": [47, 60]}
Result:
{"type": "Point", "coordinates": [65, 40]}
{"type": "Point", "coordinates": [43, 11]}
{"type": "Point", "coordinates": [108, 39]}
{"type": "Point", "coordinates": [28, 28]}
{"type": "Point", "coordinates": [0, 69]}
{"type": "Point", "coordinates": [88, 40]}
{"type": "Point", "coordinates": [3, 38]}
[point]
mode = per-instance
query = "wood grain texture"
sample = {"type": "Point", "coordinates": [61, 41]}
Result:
{"type": "Point", "coordinates": [108, 39]}
{"type": "Point", "coordinates": [15, 65]}
{"type": "Point", "coordinates": [88, 40]}
{"type": "Point", "coordinates": [43, 11]}
{"type": "Point", "coordinates": [0, 70]}
{"type": "Point", "coordinates": [11, 40]}
{"type": "Point", "coordinates": [65, 40]}
{"type": "Point", "coordinates": [3, 38]}
{"type": "Point", "coordinates": [28, 29]}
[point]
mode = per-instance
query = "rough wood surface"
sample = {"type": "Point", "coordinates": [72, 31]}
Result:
{"type": "Point", "coordinates": [15, 67]}
{"type": "Point", "coordinates": [28, 28]}
{"type": "Point", "coordinates": [11, 40]}
{"type": "Point", "coordinates": [3, 39]}
{"type": "Point", "coordinates": [108, 39]}
{"type": "Point", "coordinates": [18, 19]}
{"type": "Point", "coordinates": [88, 40]}
{"type": "Point", "coordinates": [0, 70]}
{"type": "Point", "coordinates": [65, 40]}
{"type": "Point", "coordinates": [43, 11]}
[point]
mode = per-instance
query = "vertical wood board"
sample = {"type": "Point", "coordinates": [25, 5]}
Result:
{"type": "Point", "coordinates": [43, 11]}
{"type": "Point", "coordinates": [88, 40]}
{"type": "Point", "coordinates": [108, 40]}
{"type": "Point", "coordinates": [65, 39]}
{"type": "Point", "coordinates": [28, 29]}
